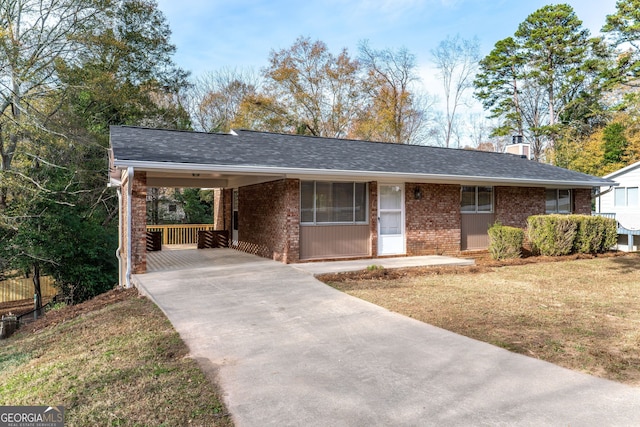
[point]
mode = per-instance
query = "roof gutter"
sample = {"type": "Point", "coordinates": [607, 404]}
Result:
{"type": "Point", "coordinates": [277, 171]}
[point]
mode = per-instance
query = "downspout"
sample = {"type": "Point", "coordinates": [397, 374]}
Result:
{"type": "Point", "coordinates": [119, 250]}
{"type": "Point", "coordinates": [118, 184]}
{"type": "Point", "coordinates": [129, 225]}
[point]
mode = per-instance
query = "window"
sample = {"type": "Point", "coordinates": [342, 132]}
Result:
{"type": "Point", "coordinates": [625, 196]}
{"type": "Point", "coordinates": [619, 197]}
{"type": "Point", "coordinates": [333, 202]}
{"type": "Point", "coordinates": [558, 201]}
{"type": "Point", "coordinates": [476, 200]}
{"type": "Point", "coordinates": [172, 208]}
{"type": "Point", "coordinates": [632, 196]}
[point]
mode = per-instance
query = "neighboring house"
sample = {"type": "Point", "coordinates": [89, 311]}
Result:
{"type": "Point", "coordinates": [163, 207]}
{"type": "Point", "coordinates": [299, 198]}
{"type": "Point", "coordinates": [623, 203]}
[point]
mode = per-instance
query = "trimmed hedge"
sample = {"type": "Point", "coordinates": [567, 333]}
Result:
{"type": "Point", "coordinates": [505, 242]}
{"type": "Point", "coordinates": [555, 235]}
{"type": "Point", "coordinates": [595, 234]}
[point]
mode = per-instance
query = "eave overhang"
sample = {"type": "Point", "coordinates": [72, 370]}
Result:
{"type": "Point", "coordinates": [279, 172]}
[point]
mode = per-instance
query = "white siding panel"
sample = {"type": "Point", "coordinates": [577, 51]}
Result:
{"type": "Point", "coordinates": [630, 178]}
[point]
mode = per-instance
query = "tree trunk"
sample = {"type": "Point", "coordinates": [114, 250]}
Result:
{"type": "Point", "coordinates": [37, 290]}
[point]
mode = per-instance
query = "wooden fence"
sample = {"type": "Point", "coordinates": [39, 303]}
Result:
{"type": "Point", "coordinates": [180, 234]}
{"type": "Point", "coordinates": [19, 289]}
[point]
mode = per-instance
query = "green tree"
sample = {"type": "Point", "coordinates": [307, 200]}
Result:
{"type": "Point", "coordinates": [52, 225]}
{"type": "Point", "coordinates": [607, 149]}
{"type": "Point", "coordinates": [197, 205]}
{"type": "Point", "coordinates": [124, 73]}
{"type": "Point", "coordinates": [564, 61]}
{"type": "Point", "coordinates": [78, 66]}
{"type": "Point", "coordinates": [623, 28]}
{"type": "Point", "coordinates": [550, 75]}
{"type": "Point", "coordinates": [497, 85]}
{"type": "Point", "coordinates": [615, 143]}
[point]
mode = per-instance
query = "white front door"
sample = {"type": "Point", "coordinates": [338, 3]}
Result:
{"type": "Point", "coordinates": [391, 220]}
{"type": "Point", "coordinates": [234, 216]}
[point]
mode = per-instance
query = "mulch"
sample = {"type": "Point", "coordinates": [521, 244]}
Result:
{"type": "Point", "coordinates": [483, 263]}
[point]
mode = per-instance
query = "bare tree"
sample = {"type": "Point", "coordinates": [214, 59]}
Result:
{"type": "Point", "coordinates": [457, 62]}
{"type": "Point", "coordinates": [318, 91]}
{"type": "Point", "coordinates": [479, 129]}
{"type": "Point", "coordinates": [396, 112]}
{"type": "Point", "coordinates": [215, 99]}
{"type": "Point", "coordinates": [35, 36]}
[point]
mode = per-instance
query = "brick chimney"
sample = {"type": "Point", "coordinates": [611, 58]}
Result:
{"type": "Point", "coordinates": [518, 147]}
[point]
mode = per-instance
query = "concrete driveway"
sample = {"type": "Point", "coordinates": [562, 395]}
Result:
{"type": "Point", "coordinates": [288, 350]}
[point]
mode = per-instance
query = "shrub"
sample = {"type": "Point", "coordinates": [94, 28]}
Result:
{"type": "Point", "coordinates": [505, 242]}
{"type": "Point", "coordinates": [555, 235]}
{"type": "Point", "coordinates": [595, 234]}
{"type": "Point", "coordinates": [551, 235]}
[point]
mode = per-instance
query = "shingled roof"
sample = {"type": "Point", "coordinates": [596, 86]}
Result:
{"type": "Point", "coordinates": [253, 152]}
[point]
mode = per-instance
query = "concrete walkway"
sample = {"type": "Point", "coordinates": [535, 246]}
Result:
{"type": "Point", "coordinates": [290, 351]}
{"type": "Point", "coordinates": [396, 262]}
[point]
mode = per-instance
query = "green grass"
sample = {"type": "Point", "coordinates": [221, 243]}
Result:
{"type": "Point", "coordinates": [121, 365]}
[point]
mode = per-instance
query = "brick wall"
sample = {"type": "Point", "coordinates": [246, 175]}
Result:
{"type": "Point", "coordinates": [513, 205]}
{"type": "Point", "coordinates": [138, 223]}
{"type": "Point", "coordinates": [269, 221]}
{"type": "Point", "coordinates": [433, 221]}
{"type": "Point", "coordinates": [218, 208]}
{"type": "Point", "coordinates": [227, 197]}
{"type": "Point", "coordinates": [582, 201]}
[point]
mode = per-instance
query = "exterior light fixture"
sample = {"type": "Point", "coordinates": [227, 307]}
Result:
{"type": "Point", "coordinates": [417, 193]}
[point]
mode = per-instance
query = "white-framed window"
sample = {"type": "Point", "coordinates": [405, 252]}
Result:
{"type": "Point", "coordinates": [558, 201]}
{"type": "Point", "coordinates": [476, 199]}
{"type": "Point", "coordinates": [625, 196]}
{"type": "Point", "coordinates": [323, 202]}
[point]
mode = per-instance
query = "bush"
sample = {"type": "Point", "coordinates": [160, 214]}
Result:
{"type": "Point", "coordinates": [595, 234]}
{"type": "Point", "coordinates": [555, 235]}
{"type": "Point", "coordinates": [505, 242]}
{"type": "Point", "coordinates": [552, 235]}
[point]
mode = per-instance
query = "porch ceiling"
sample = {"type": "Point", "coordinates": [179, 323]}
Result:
{"type": "Point", "coordinates": [203, 179]}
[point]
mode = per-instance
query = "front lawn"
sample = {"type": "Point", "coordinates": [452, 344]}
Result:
{"type": "Point", "coordinates": [580, 314]}
{"type": "Point", "coordinates": [111, 361]}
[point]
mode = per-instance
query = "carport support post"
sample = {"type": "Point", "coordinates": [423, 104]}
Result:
{"type": "Point", "coordinates": [136, 222]}
{"type": "Point", "coordinates": [218, 209]}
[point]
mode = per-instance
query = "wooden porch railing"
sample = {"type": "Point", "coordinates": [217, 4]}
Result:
{"type": "Point", "coordinates": [180, 234]}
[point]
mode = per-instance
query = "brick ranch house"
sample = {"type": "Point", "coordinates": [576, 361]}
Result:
{"type": "Point", "coordinates": [298, 198]}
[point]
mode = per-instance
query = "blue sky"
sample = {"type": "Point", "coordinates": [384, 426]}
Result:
{"type": "Point", "coordinates": [212, 34]}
